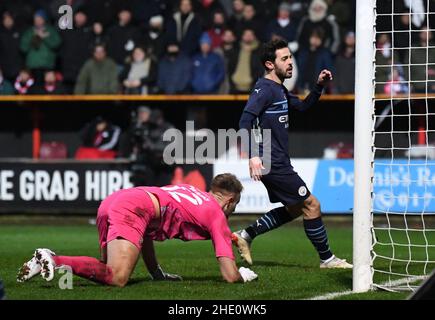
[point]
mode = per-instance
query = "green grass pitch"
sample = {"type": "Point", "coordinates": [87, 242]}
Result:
{"type": "Point", "coordinates": [284, 259]}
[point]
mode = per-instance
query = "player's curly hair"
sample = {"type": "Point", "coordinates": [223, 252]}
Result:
{"type": "Point", "coordinates": [269, 50]}
{"type": "Point", "coordinates": [226, 182]}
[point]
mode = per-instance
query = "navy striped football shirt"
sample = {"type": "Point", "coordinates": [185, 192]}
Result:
{"type": "Point", "coordinates": [267, 108]}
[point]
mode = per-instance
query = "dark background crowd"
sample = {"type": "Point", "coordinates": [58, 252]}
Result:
{"type": "Point", "coordinates": [169, 46]}
{"type": "Point", "coordinates": [190, 46]}
{"type": "Point", "coordinates": [194, 46]}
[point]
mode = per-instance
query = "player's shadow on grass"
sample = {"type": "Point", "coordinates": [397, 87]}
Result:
{"type": "Point", "coordinates": [343, 277]}
{"type": "Point", "coordinates": [278, 264]}
{"type": "Point", "coordinates": [204, 278]}
{"type": "Point", "coordinates": [191, 279]}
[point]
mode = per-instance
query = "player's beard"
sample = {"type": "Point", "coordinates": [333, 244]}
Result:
{"type": "Point", "coordinates": [282, 73]}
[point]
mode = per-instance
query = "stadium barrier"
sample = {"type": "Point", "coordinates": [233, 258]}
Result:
{"type": "Point", "coordinates": [332, 182]}
{"type": "Point", "coordinates": [69, 186]}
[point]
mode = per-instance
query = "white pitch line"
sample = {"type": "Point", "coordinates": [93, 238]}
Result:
{"type": "Point", "coordinates": [334, 295]}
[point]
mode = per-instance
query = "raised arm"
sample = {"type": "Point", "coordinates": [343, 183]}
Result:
{"type": "Point", "coordinates": [325, 77]}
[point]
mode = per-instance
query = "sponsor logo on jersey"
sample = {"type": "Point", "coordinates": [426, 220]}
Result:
{"type": "Point", "coordinates": [283, 119]}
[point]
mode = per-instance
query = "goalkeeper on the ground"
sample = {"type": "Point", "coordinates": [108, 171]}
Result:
{"type": "Point", "coordinates": [129, 220]}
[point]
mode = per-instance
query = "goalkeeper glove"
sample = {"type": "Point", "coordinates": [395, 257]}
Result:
{"type": "Point", "coordinates": [159, 274]}
{"type": "Point", "coordinates": [247, 274]}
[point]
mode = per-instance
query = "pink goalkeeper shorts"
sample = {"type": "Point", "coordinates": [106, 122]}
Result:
{"type": "Point", "coordinates": [125, 214]}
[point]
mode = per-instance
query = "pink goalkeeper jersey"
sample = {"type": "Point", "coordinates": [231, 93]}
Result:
{"type": "Point", "coordinates": [190, 214]}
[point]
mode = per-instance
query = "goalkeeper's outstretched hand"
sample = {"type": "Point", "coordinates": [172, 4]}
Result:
{"type": "Point", "coordinates": [247, 274]}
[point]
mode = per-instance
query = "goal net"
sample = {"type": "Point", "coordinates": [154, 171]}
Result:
{"type": "Point", "coordinates": [402, 164]}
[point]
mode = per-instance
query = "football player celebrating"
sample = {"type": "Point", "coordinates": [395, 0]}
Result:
{"type": "Point", "coordinates": [267, 108]}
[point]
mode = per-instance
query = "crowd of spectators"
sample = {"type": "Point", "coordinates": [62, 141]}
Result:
{"type": "Point", "coordinates": [177, 47]}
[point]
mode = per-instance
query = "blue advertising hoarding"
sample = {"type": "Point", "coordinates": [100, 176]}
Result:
{"type": "Point", "coordinates": [399, 186]}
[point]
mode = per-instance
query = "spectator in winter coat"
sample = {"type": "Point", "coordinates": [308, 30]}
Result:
{"type": "Point", "coordinates": [122, 38]}
{"type": "Point", "coordinates": [244, 66]}
{"type": "Point", "coordinates": [185, 28]}
{"type": "Point", "coordinates": [236, 15]}
{"type": "Point", "coordinates": [250, 20]}
{"type": "Point", "coordinates": [227, 51]}
{"type": "Point", "coordinates": [208, 68]}
{"type": "Point", "coordinates": [11, 60]}
{"type": "Point", "coordinates": [100, 140]}
{"type": "Point", "coordinates": [140, 74]}
{"type": "Point", "coordinates": [217, 29]}
{"type": "Point", "coordinates": [76, 49]}
{"type": "Point", "coordinates": [284, 25]}
{"type": "Point", "coordinates": [345, 66]}
{"type": "Point", "coordinates": [99, 75]}
{"type": "Point", "coordinates": [318, 19]}
{"type": "Point", "coordinates": [174, 72]}
{"type": "Point", "coordinates": [39, 43]}
{"type": "Point", "coordinates": [155, 38]}
{"type": "Point", "coordinates": [206, 10]}
{"type": "Point", "coordinates": [100, 134]}
{"type": "Point", "coordinates": [312, 61]}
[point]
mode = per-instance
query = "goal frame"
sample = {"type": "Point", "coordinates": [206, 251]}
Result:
{"type": "Point", "coordinates": [363, 138]}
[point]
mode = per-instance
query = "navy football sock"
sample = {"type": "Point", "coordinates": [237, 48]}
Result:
{"type": "Point", "coordinates": [269, 221]}
{"type": "Point", "coordinates": [316, 232]}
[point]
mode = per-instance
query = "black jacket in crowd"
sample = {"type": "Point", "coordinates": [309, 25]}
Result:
{"type": "Point", "coordinates": [76, 49]}
{"type": "Point", "coordinates": [11, 59]}
{"type": "Point", "coordinates": [110, 136]}
{"type": "Point", "coordinates": [121, 40]}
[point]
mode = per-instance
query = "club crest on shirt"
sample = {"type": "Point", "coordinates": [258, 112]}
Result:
{"type": "Point", "coordinates": [302, 191]}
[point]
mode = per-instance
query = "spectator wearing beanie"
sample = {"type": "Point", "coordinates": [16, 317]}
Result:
{"type": "Point", "coordinates": [39, 43]}
{"type": "Point", "coordinates": [208, 68]}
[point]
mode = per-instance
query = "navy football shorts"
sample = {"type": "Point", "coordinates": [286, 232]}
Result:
{"type": "Point", "coordinates": [287, 188]}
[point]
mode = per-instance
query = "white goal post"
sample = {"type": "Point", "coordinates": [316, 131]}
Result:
{"type": "Point", "coordinates": [364, 93]}
{"type": "Point", "coordinates": [394, 158]}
